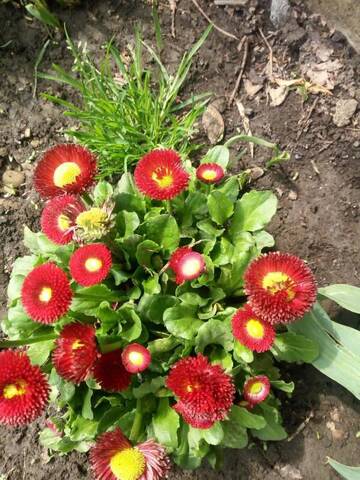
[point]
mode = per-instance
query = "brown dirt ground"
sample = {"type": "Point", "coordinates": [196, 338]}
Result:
{"type": "Point", "coordinates": [321, 225]}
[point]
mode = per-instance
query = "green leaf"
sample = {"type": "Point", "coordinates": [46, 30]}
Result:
{"type": "Point", "coordinates": [129, 203]}
{"type": "Point", "coordinates": [42, 13]}
{"type": "Point", "coordinates": [213, 435]}
{"type": "Point", "coordinates": [273, 431]}
{"type": "Point", "coordinates": [87, 299]}
{"type": "Point", "coordinates": [119, 275]}
{"type": "Point", "coordinates": [102, 192]}
{"type": "Point", "coordinates": [347, 296]}
{"type": "Point", "coordinates": [110, 417]}
{"type": "Point", "coordinates": [218, 154]}
{"type": "Point", "coordinates": [248, 419]}
{"type": "Point", "coordinates": [220, 207]}
{"type": "Point", "coordinates": [214, 332]}
{"type": "Point", "coordinates": [339, 348]}
{"type": "Point", "coordinates": [182, 321]}
{"type": "Point", "coordinates": [24, 265]}
{"type": "Point", "coordinates": [243, 353]}
{"type": "Point", "coordinates": [87, 411]}
{"type": "Point", "coordinates": [235, 435]}
{"type": "Point", "coordinates": [83, 429]}
{"type": "Point", "coordinates": [263, 240]}
{"type": "Point", "coordinates": [151, 285]}
{"type": "Point", "coordinates": [131, 323]}
{"type": "Point", "coordinates": [230, 188]}
{"type": "Point", "coordinates": [164, 231]}
{"type": "Point", "coordinates": [149, 387]}
{"type": "Point", "coordinates": [253, 211]}
{"type": "Point", "coordinates": [349, 473]}
{"type": "Point", "coordinates": [166, 424]}
{"type": "Point", "coordinates": [290, 347]}
{"type": "Point", "coordinates": [145, 250]}
{"type": "Point", "coordinates": [40, 352]}
{"type": "Point", "coordinates": [127, 223]}
{"type": "Point", "coordinates": [284, 386]}
{"type": "Point", "coordinates": [14, 287]}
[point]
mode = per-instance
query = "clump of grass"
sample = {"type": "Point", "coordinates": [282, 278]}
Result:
{"type": "Point", "coordinates": [124, 115]}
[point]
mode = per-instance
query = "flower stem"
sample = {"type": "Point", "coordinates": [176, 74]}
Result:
{"type": "Point", "coordinates": [136, 427]}
{"type": "Point", "coordinates": [168, 207]}
{"type": "Point", "coordinates": [28, 341]}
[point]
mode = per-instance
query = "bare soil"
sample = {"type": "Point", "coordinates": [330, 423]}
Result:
{"type": "Point", "coordinates": [318, 189]}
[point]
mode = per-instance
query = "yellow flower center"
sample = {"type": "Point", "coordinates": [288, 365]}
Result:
{"type": "Point", "coordinates": [191, 267]}
{"type": "Point", "coordinates": [136, 358]}
{"type": "Point", "coordinates": [255, 328]}
{"type": "Point", "coordinates": [93, 218]}
{"type": "Point", "coordinates": [93, 264]}
{"type": "Point", "coordinates": [45, 294]}
{"type": "Point", "coordinates": [191, 387]}
{"type": "Point", "coordinates": [66, 173]}
{"type": "Point", "coordinates": [77, 344]}
{"type": "Point", "coordinates": [14, 389]}
{"type": "Point", "coordinates": [256, 388]}
{"type": "Point", "coordinates": [275, 282]}
{"type": "Point", "coordinates": [129, 464]}
{"type": "Point", "coordinates": [63, 222]}
{"type": "Point", "coordinates": [209, 174]}
{"type": "Point", "coordinates": [163, 179]}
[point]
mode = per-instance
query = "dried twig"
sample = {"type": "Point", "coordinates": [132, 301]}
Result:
{"type": "Point", "coordinates": [172, 4]}
{"type": "Point", "coordinates": [244, 41]}
{"type": "Point", "coordinates": [301, 427]}
{"type": "Point", "coordinates": [271, 55]}
{"type": "Point", "coordinates": [246, 124]}
{"type": "Point", "coordinates": [304, 122]}
{"type": "Point", "coordinates": [212, 23]}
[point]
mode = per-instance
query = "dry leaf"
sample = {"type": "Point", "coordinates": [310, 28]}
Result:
{"type": "Point", "coordinates": [251, 89]}
{"type": "Point", "coordinates": [213, 124]}
{"type": "Point", "coordinates": [246, 123]}
{"type": "Point", "coordinates": [278, 95]}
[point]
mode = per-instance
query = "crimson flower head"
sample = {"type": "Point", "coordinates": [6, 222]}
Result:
{"type": "Point", "coordinates": [205, 392]}
{"type": "Point", "coordinates": [186, 264]}
{"type": "Point", "coordinates": [256, 389]}
{"type": "Point", "coordinates": [24, 390]}
{"type": "Point", "coordinates": [114, 458]}
{"type": "Point", "coordinates": [280, 286]}
{"type": "Point", "coordinates": [210, 173]}
{"type": "Point", "coordinates": [160, 175]}
{"type": "Point", "coordinates": [58, 219]}
{"type": "Point", "coordinates": [75, 352]}
{"type": "Point", "coordinates": [136, 358]}
{"type": "Point", "coordinates": [64, 169]}
{"type": "Point", "coordinates": [90, 264]}
{"type": "Point", "coordinates": [46, 294]}
{"type": "Point", "coordinates": [110, 372]}
{"type": "Point", "coordinates": [252, 331]}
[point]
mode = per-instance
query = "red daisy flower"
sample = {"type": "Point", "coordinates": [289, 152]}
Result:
{"type": "Point", "coordinates": [75, 352]}
{"type": "Point", "coordinates": [90, 264]}
{"type": "Point", "coordinates": [110, 372]}
{"type": "Point", "coordinates": [256, 389]}
{"type": "Point", "coordinates": [251, 331]}
{"type": "Point", "coordinates": [58, 219]}
{"type": "Point", "coordinates": [136, 358]}
{"type": "Point", "coordinates": [205, 392]}
{"type": "Point", "coordinates": [280, 286]}
{"type": "Point", "coordinates": [46, 294]}
{"type": "Point", "coordinates": [114, 458]}
{"type": "Point", "coordinates": [210, 173]}
{"type": "Point", "coordinates": [64, 168]}
{"type": "Point", "coordinates": [186, 264]}
{"type": "Point", "coordinates": [24, 390]}
{"type": "Point", "coordinates": [160, 175]}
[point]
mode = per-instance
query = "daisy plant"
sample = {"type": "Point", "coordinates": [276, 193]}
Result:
{"type": "Point", "coordinates": [148, 313]}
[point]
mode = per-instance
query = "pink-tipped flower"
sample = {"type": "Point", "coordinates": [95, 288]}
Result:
{"type": "Point", "coordinates": [205, 392]}
{"type": "Point", "coordinates": [251, 330]}
{"type": "Point", "coordinates": [110, 372]}
{"type": "Point", "coordinates": [210, 173]}
{"type": "Point", "coordinates": [46, 294]}
{"type": "Point", "coordinates": [136, 358]}
{"type": "Point", "coordinates": [114, 458]}
{"type": "Point", "coordinates": [24, 390]}
{"type": "Point", "coordinates": [280, 286]}
{"type": "Point", "coordinates": [64, 169]}
{"type": "Point", "coordinates": [256, 389]}
{"type": "Point", "coordinates": [75, 352]}
{"type": "Point", "coordinates": [160, 175]}
{"type": "Point", "coordinates": [58, 219]}
{"type": "Point", "coordinates": [90, 264]}
{"type": "Point", "coordinates": [186, 264]}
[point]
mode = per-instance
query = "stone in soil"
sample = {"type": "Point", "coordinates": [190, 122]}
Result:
{"type": "Point", "coordinates": [344, 110]}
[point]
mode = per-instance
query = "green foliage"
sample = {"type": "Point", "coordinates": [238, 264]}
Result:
{"type": "Point", "coordinates": [346, 472]}
{"type": "Point", "coordinates": [127, 109]}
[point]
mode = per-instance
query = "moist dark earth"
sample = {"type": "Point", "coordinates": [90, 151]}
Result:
{"type": "Point", "coordinates": [318, 189]}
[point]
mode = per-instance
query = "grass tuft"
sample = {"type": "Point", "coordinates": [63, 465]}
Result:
{"type": "Point", "coordinates": [124, 112]}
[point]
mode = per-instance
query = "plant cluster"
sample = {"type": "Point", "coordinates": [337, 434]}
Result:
{"type": "Point", "coordinates": [153, 322]}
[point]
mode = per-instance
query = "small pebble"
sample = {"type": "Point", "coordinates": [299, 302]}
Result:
{"type": "Point", "coordinates": [12, 178]}
{"type": "Point", "coordinates": [292, 195]}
